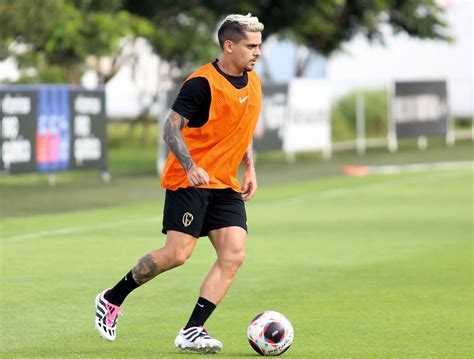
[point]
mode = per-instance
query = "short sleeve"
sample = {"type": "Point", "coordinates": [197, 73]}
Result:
{"type": "Point", "coordinates": [193, 100]}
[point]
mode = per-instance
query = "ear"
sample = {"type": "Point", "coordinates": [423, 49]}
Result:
{"type": "Point", "coordinates": [228, 45]}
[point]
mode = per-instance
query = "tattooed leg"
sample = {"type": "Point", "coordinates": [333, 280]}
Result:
{"type": "Point", "coordinates": [177, 249]}
{"type": "Point", "coordinates": [145, 269]}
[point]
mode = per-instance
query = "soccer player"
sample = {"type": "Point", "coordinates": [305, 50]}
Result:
{"type": "Point", "coordinates": [209, 132]}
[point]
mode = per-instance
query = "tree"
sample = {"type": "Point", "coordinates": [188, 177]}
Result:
{"type": "Point", "coordinates": [56, 36]}
{"type": "Point", "coordinates": [324, 26]}
{"type": "Point", "coordinates": [51, 39]}
{"type": "Point", "coordinates": [186, 34]}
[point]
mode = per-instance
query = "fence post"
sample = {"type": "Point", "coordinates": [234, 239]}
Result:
{"type": "Point", "coordinates": [392, 135]}
{"type": "Point", "coordinates": [360, 122]}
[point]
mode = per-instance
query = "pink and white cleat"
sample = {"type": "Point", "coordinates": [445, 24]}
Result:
{"type": "Point", "coordinates": [106, 316]}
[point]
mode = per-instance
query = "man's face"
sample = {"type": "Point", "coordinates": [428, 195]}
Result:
{"type": "Point", "coordinates": [246, 52]}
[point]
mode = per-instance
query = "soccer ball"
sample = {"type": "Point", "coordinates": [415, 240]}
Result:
{"type": "Point", "coordinates": [270, 333]}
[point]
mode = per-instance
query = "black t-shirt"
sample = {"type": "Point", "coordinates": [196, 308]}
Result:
{"type": "Point", "coordinates": [194, 98]}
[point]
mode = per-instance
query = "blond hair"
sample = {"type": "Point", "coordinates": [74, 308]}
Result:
{"type": "Point", "coordinates": [234, 27]}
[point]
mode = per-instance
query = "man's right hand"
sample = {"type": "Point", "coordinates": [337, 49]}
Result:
{"type": "Point", "coordinates": [197, 176]}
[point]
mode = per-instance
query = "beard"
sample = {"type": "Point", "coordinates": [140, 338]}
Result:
{"type": "Point", "coordinates": [249, 68]}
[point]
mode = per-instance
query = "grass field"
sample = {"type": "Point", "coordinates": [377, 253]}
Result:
{"type": "Point", "coordinates": [376, 267]}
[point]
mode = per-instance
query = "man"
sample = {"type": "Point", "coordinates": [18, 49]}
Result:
{"type": "Point", "coordinates": [209, 132]}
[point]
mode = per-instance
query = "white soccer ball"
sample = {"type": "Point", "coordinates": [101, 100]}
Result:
{"type": "Point", "coordinates": [270, 333]}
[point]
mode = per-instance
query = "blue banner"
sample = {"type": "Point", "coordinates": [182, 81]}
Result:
{"type": "Point", "coordinates": [51, 128]}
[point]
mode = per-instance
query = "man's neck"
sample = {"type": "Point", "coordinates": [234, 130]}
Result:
{"type": "Point", "coordinates": [228, 68]}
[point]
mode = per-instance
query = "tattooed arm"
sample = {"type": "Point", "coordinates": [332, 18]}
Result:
{"type": "Point", "coordinates": [249, 183]}
{"type": "Point", "coordinates": [172, 136]}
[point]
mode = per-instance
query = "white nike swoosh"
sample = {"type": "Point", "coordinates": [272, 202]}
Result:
{"type": "Point", "coordinates": [242, 100]}
{"type": "Point", "coordinates": [200, 305]}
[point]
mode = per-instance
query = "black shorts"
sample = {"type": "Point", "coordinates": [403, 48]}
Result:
{"type": "Point", "coordinates": [196, 211]}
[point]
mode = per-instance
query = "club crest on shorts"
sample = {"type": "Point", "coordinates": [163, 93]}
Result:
{"type": "Point", "coordinates": [187, 219]}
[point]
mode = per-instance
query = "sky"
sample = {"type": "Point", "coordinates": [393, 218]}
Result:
{"type": "Point", "coordinates": [363, 64]}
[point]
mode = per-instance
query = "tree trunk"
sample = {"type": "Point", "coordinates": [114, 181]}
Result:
{"type": "Point", "coordinates": [302, 64]}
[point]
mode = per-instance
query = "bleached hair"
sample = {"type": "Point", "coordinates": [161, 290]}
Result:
{"type": "Point", "coordinates": [247, 22]}
{"type": "Point", "coordinates": [234, 26]}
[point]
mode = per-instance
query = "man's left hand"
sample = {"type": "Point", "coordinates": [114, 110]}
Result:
{"type": "Point", "coordinates": [249, 185]}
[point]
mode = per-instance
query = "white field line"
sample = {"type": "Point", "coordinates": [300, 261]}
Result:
{"type": "Point", "coordinates": [414, 167]}
{"type": "Point", "coordinates": [330, 193]}
{"type": "Point", "coordinates": [78, 229]}
{"type": "Point", "coordinates": [343, 191]}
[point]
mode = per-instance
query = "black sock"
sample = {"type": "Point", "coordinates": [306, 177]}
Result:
{"type": "Point", "coordinates": [201, 312]}
{"type": "Point", "coordinates": [123, 288]}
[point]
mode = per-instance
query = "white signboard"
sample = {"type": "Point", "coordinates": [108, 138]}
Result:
{"type": "Point", "coordinates": [308, 127]}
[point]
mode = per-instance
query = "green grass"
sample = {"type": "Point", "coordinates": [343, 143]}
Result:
{"type": "Point", "coordinates": [134, 177]}
{"type": "Point", "coordinates": [376, 267]}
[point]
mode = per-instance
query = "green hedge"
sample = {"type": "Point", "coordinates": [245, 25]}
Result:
{"type": "Point", "coordinates": [343, 115]}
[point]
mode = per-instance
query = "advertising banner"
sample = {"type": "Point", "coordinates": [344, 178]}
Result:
{"type": "Point", "coordinates": [269, 132]}
{"type": "Point", "coordinates": [18, 113]}
{"type": "Point", "coordinates": [53, 125]}
{"type": "Point", "coordinates": [420, 108]}
{"type": "Point", "coordinates": [88, 132]}
{"type": "Point", "coordinates": [51, 128]}
{"type": "Point", "coordinates": [308, 126]}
